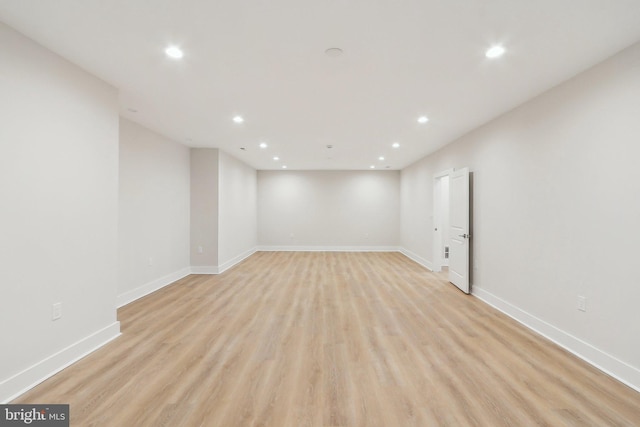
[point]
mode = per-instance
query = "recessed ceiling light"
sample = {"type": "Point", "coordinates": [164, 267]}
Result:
{"type": "Point", "coordinates": [423, 119]}
{"type": "Point", "coordinates": [238, 119]}
{"type": "Point", "coordinates": [334, 52]}
{"type": "Point", "coordinates": [263, 145]}
{"type": "Point", "coordinates": [372, 167]}
{"type": "Point", "coordinates": [381, 158]}
{"type": "Point", "coordinates": [495, 51]}
{"type": "Point", "coordinates": [284, 166]}
{"type": "Point", "coordinates": [276, 158]}
{"type": "Point", "coordinates": [174, 52]}
{"type": "Point", "coordinates": [395, 145]}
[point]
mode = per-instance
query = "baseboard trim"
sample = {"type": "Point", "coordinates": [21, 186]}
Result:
{"type": "Point", "coordinates": [24, 381]}
{"type": "Point", "coordinates": [236, 260]}
{"type": "Point", "coordinates": [608, 364]}
{"type": "Point", "coordinates": [328, 249]}
{"type": "Point", "coordinates": [219, 269]}
{"type": "Point", "coordinates": [415, 257]}
{"type": "Point", "coordinates": [141, 291]}
{"type": "Point", "coordinates": [204, 269]}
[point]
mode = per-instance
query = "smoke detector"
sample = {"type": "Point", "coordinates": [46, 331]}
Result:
{"type": "Point", "coordinates": [334, 52]}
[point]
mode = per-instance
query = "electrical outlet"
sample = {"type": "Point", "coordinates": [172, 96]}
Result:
{"type": "Point", "coordinates": [57, 311]}
{"type": "Point", "coordinates": [200, 250]}
{"type": "Point", "coordinates": [150, 260]}
{"type": "Point", "coordinates": [582, 303]}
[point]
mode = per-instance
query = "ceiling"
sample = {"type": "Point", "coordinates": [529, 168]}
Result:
{"type": "Point", "coordinates": [265, 60]}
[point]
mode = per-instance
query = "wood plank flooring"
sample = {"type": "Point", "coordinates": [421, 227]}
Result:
{"type": "Point", "coordinates": [330, 339]}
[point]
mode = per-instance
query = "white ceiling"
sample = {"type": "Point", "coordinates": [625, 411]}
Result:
{"type": "Point", "coordinates": [265, 60]}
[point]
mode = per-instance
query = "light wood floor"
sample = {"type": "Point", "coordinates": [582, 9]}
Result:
{"type": "Point", "coordinates": [330, 339]}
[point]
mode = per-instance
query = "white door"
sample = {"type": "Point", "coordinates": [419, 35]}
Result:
{"type": "Point", "coordinates": [459, 229]}
{"type": "Point", "coordinates": [441, 222]}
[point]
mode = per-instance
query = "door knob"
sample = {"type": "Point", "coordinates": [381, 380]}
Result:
{"type": "Point", "coordinates": [464, 236]}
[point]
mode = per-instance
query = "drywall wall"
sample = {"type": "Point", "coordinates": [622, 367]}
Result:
{"type": "Point", "coordinates": [328, 209]}
{"type": "Point", "coordinates": [223, 210]}
{"type": "Point", "coordinates": [555, 212]}
{"type": "Point", "coordinates": [204, 210]}
{"type": "Point", "coordinates": [153, 221]}
{"type": "Point", "coordinates": [58, 227]}
{"type": "Point", "coordinates": [237, 214]}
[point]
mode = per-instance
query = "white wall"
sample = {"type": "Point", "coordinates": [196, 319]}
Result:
{"type": "Point", "coordinates": [237, 215]}
{"type": "Point", "coordinates": [59, 211]}
{"type": "Point", "coordinates": [153, 223]}
{"type": "Point", "coordinates": [204, 209]}
{"type": "Point", "coordinates": [328, 209]}
{"type": "Point", "coordinates": [556, 205]}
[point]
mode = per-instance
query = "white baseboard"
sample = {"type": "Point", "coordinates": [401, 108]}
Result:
{"type": "Point", "coordinates": [23, 381]}
{"type": "Point", "coordinates": [328, 248]}
{"type": "Point", "coordinates": [413, 256]}
{"type": "Point", "coordinates": [132, 295]}
{"type": "Point", "coordinates": [235, 260]}
{"type": "Point", "coordinates": [213, 269]}
{"type": "Point", "coordinates": [204, 269]}
{"type": "Point", "coordinates": [616, 368]}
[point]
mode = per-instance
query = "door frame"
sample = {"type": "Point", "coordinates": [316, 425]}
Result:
{"type": "Point", "coordinates": [438, 259]}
